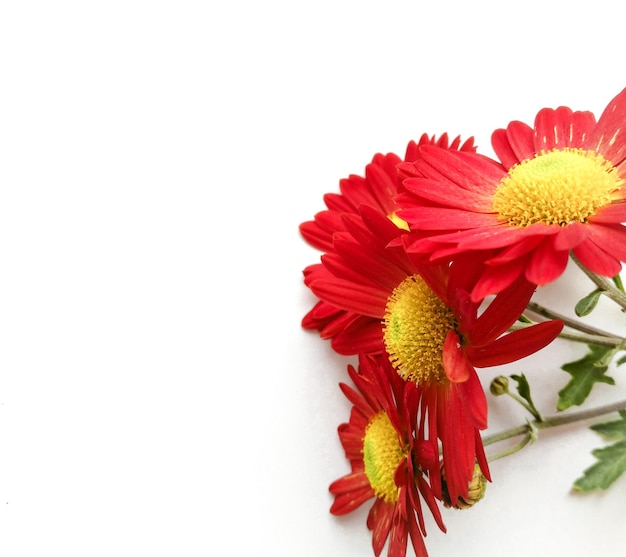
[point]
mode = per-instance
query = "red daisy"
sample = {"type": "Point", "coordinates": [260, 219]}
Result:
{"type": "Point", "coordinates": [422, 318]}
{"type": "Point", "coordinates": [377, 189]}
{"type": "Point", "coordinates": [388, 464]}
{"type": "Point", "coordinates": [559, 188]}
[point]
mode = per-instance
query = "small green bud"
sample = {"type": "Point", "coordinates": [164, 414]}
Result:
{"type": "Point", "coordinates": [499, 386]}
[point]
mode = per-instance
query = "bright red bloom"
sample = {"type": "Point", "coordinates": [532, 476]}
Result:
{"type": "Point", "coordinates": [560, 187]}
{"type": "Point", "coordinates": [422, 318]}
{"type": "Point", "coordinates": [377, 189]}
{"type": "Point", "coordinates": [388, 464]}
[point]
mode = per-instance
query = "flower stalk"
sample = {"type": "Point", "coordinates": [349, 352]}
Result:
{"type": "Point", "coordinates": [608, 288]}
{"type": "Point", "coordinates": [599, 340]}
{"type": "Point", "coordinates": [539, 309]}
{"type": "Point", "coordinates": [530, 428]}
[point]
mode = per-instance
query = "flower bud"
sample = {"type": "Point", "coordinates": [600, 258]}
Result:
{"type": "Point", "coordinates": [499, 386]}
{"type": "Point", "coordinates": [476, 491]}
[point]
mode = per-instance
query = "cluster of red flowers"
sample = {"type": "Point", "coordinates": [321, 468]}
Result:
{"type": "Point", "coordinates": [427, 263]}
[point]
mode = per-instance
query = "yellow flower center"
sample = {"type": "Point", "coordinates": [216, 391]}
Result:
{"type": "Point", "coordinates": [556, 187]}
{"type": "Point", "coordinates": [382, 453]}
{"type": "Point", "coordinates": [415, 326]}
{"type": "Point", "coordinates": [400, 223]}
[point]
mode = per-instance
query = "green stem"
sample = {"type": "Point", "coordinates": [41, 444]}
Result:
{"type": "Point", "coordinates": [530, 437]}
{"type": "Point", "coordinates": [554, 421]}
{"type": "Point", "coordinates": [618, 282]}
{"type": "Point", "coordinates": [592, 339]}
{"type": "Point", "coordinates": [608, 288]}
{"type": "Point", "coordinates": [572, 323]}
{"type": "Point", "coordinates": [531, 408]}
{"type": "Point", "coordinates": [600, 340]}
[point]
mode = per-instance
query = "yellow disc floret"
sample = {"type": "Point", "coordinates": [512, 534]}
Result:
{"type": "Point", "coordinates": [557, 187]}
{"type": "Point", "coordinates": [415, 326]}
{"type": "Point", "coordinates": [382, 453]}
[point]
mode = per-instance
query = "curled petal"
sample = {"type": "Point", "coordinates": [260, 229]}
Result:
{"type": "Point", "coordinates": [571, 235]}
{"type": "Point", "coordinates": [455, 363]}
{"type": "Point", "coordinates": [546, 263]}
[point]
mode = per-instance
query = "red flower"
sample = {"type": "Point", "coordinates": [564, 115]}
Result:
{"type": "Point", "coordinates": [387, 462]}
{"type": "Point", "coordinates": [422, 318]}
{"type": "Point", "coordinates": [377, 189]}
{"type": "Point", "coordinates": [560, 187]}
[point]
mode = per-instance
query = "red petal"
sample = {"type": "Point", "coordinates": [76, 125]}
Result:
{"type": "Point", "coordinates": [610, 238]}
{"type": "Point", "coordinates": [481, 458]}
{"type": "Point", "coordinates": [583, 124]}
{"type": "Point", "coordinates": [609, 136]}
{"type": "Point", "coordinates": [383, 186]}
{"type": "Point", "coordinates": [364, 336]}
{"type": "Point", "coordinates": [571, 235]}
{"type": "Point", "coordinates": [610, 214]}
{"type": "Point", "coordinates": [379, 521]}
{"type": "Point", "coordinates": [517, 140]}
{"type": "Point", "coordinates": [357, 400]}
{"type": "Point", "coordinates": [449, 195]}
{"type": "Point", "coordinates": [456, 431]}
{"type": "Point", "coordinates": [501, 312]}
{"type": "Point", "coordinates": [474, 398]}
{"type": "Point", "coordinates": [561, 128]}
{"type": "Point", "coordinates": [497, 278]}
{"type": "Point", "coordinates": [546, 263]}
{"type": "Point", "coordinates": [347, 502]}
{"type": "Point", "coordinates": [316, 236]}
{"type": "Point", "coordinates": [442, 218]}
{"type": "Point", "coordinates": [515, 345]}
{"type": "Point", "coordinates": [348, 483]}
{"type": "Point", "coordinates": [470, 171]}
{"type": "Point", "coordinates": [350, 296]}
{"type": "Point", "coordinates": [517, 250]}
{"type": "Point", "coordinates": [503, 149]}
{"type": "Point", "coordinates": [455, 363]}
{"type": "Point", "coordinates": [369, 263]}
{"type": "Point", "coordinates": [598, 261]}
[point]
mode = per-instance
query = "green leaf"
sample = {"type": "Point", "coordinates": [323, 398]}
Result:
{"type": "Point", "coordinates": [585, 373]}
{"type": "Point", "coordinates": [610, 466]}
{"type": "Point", "coordinates": [613, 430]}
{"type": "Point", "coordinates": [611, 460]}
{"type": "Point", "coordinates": [587, 304]}
{"type": "Point", "coordinates": [523, 388]}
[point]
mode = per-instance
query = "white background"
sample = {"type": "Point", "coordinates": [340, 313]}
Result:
{"type": "Point", "coordinates": [157, 394]}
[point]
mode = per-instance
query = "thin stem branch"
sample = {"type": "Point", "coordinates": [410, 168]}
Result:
{"type": "Point", "coordinates": [572, 323]}
{"type": "Point", "coordinates": [530, 437]}
{"type": "Point", "coordinates": [592, 339]}
{"type": "Point", "coordinates": [530, 408]}
{"type": "Point", "coordinates": [555, 421]}
{"type": "Point", "coordinates": [608, 288]}
{"type": "Point", "coordinates": [600, 340]}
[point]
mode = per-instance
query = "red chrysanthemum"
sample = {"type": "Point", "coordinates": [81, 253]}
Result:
{"type": "Point", "coordinates": [560, 188]}
{"type": "Point", "coordinates": [377, 189]}
{"type": "Point", "coordinates": [388, 463]}
{"type": "Point", "coordinates": [421, 317]}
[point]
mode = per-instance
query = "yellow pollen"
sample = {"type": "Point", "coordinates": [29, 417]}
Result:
{"type": "Point", "coordinates": [557, 187]}
{"type": "Point", "coordinates": [415, 326]}
{"type": "Point", "coordinates": [400, 223]}
{"type": "Point", "coordinates": [382, 453]}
